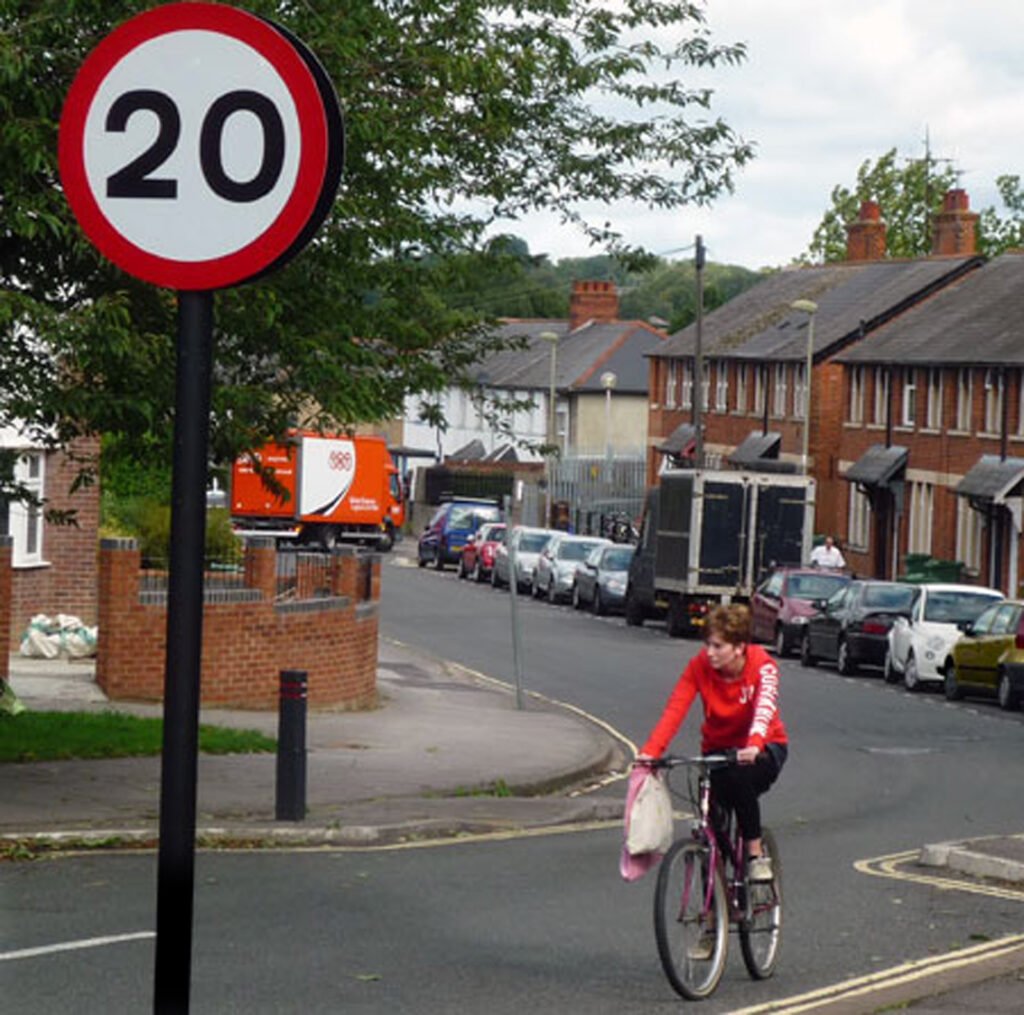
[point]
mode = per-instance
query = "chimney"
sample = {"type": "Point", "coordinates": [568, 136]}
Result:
{"type": "Point", "coordinates": [955, 226]}
{"type": "Point", "coordinates": [865, 238]}
{"type": "Point", "coordinates": [592, 301]}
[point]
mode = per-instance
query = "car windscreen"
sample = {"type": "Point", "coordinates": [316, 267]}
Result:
{"type": "Point", "coordinates": [815, 586]}
{"type": "Point", "coordinates": [955, 607]}
{"type": "Point", "coordinates": [575, 551]}
{"type": "Point", "coordinates": [471, 517]}
{"type": "Point", "coordinates": [617, 559]}
{"type": "Point", "coordinates": [888, 597]}
{"type": "Point", "coordinates": [533, 542]}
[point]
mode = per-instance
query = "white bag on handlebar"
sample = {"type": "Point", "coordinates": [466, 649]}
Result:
{"type": "Point", "coordinates": [649, 822]}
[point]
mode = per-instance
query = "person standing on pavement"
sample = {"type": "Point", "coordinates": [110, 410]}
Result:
{"type": "Point", "coordinates": [827, 555]}
{"type": "Point", "coordinates": [738, 684]}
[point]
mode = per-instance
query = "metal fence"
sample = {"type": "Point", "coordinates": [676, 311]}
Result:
{"type": "Point", "coordinates": [596, 490]}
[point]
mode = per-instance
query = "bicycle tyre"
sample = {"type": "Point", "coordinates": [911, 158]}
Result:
{"type": "Point", "coordinates": [761, 932]}
{"type": "Point", "coordinates": [678, 923]}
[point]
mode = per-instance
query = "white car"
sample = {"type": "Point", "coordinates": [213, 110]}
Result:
{"type": "Point", "coordinates": [529, 543]}
{"type": "Point", "coordinates": [918, 646]}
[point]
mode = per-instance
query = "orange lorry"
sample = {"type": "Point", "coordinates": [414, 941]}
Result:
{"type": "Point", "coordinates": [334, 489]}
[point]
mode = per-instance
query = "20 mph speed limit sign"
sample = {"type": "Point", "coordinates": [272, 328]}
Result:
{"type": "Point", "coordinates": [200, 146]}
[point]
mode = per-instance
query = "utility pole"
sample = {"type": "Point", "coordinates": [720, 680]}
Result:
{"type": "Point", "coordinates": [698, 381]}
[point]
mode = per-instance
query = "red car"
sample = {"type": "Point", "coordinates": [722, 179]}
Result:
{"type": "Point", "coordinates": [477, 558]}
{"type": "Point", "coordinates": [782, 603]}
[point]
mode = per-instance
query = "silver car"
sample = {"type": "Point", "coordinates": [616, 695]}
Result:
{"type": "Point", "coordinates": [529, 543]}
{"type": "Point", "coordinates": [601, 579]}
{"type": "Point", "coordinates": [555, 575]}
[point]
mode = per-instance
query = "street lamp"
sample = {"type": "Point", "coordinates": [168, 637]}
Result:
{"type": "Point", "coordinates": [552, 337]}
{"type": "Point", "coordinates": [810, 308]}
{"type": "Point", "coordinates": [608, 381]}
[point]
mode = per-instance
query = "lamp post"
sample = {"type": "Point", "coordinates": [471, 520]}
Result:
{"type": "Point", "coordinates": [608, 381]}
{"type": "Point", "coordinates": [810, 308]}
{"type": "Point", "coordinates": [552, 337]}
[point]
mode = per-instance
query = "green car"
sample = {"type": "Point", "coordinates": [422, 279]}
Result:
{"type": "Point", "coordinates": [989, 658]}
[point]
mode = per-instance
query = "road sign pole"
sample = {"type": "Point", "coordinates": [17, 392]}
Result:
{"type": "Point", "coordinates": [176, 863]}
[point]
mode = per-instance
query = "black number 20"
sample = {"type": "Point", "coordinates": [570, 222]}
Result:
{"type": "Point", "coordinates": [135, 179]}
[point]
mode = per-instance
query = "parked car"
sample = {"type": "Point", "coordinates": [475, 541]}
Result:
{"type": "Point", "coordinates": [529, 543]}
{"type": "Point", "coordinates": [601, 579]}
{"type": "Point", "coordinates": [989, 658]}
{"type": "Point", "coordinates": [919, 644]}
{"type": "Point", "coordinates": [445, 535]}
{"type": "Point", "coordinates": [782, 603]}
{"type": "Point", "coordinates": [555, 574]}
{"type": "Point", "coordinates": [851, 628]}
{"type": "Point", "coordinates": [477, 558]}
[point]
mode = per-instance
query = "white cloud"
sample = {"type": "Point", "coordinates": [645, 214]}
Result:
{"type": "Point", "coordinates": [826, 86]}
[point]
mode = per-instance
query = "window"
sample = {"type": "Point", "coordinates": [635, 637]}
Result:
{"type": "Point", "coordinates": [721, 386]}
{"type": "Point", "coordinates": [1020, 403]}
{"type": "Point", "coordinates": [859, 522]}
{"type": "Point", "coordinates": [909, 406]}
{"type": "Point", "coordinates": [705, 385]}
{"type": "Point", "coordinates": [24, 522]}
{"type": "Point", "coordinates": [993, 400]}
{"type": "Point", "coordinates": [855, 406]}
{"type": "Point", "coordinates": [741, 387]}
{"type": "Point", "coordinates": [760, 389]}
{"type": "Point", "coordinates": [671, 383]}
{"type": "Point", "coordinates": [779, 396]}
{"type": "Point", "coordinates": [800, 391]}
{"type": "Point", "coordinates": [934, 399]}
{"type": "Point", "coordinates": [921, 515]}
{"type": "Point", "coordinates": [686, 387]}
{"type": "Point", "coordinates": [969, 534]}
{"type": "Point", "coordinates": [963, 400]}
{"type": "Point", "coordinates": [881, 396]}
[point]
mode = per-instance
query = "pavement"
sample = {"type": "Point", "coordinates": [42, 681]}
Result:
{"type": "Point", "coordinates": [447, 753]}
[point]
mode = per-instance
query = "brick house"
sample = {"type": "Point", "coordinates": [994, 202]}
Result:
{"type": "Point", "coordinates": [916, 391]}
{"type": "Point", "coordinates": [53, 566]}
{"type": "Point", "coordinates": [590, 344]}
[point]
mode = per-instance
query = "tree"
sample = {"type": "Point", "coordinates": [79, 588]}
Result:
{"type": "Point", "coordinates": [910, 193]}
{"type": "Point", "coordinates": [459, 113]}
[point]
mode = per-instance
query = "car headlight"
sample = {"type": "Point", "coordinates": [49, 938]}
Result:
{"type": "Point", "coordinates": [798, 620]}
{"type": "Point", "coordinates": [935, 643]}
{"type": "Point", "coordinates": [616, 585]}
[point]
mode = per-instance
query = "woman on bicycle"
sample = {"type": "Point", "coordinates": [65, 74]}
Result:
{"type": "Point", "coordinates": [738, 684]}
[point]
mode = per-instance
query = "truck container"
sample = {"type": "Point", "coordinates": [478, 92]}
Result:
{"type": "Point", "coordinates": [331, 489]}
{"type": "Point", "coordinates": [708, 537]}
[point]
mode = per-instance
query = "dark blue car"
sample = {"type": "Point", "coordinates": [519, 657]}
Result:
{"type": "Point", "coordinates": [450, 527]}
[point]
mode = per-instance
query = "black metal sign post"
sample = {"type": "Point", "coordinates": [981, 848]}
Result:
{"type": "Point", "coordinates": [178, 774]}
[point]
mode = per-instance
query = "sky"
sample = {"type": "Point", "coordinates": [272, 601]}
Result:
{"type": "Point", "coordinates": [827, 85]}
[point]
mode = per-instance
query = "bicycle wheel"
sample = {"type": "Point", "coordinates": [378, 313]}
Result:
{"type": "Point", "coordinates": [691, 920]}
{"type": "Point", "coordinates": [761, 930]}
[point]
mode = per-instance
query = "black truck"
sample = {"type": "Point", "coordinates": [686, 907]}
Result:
{"type": "Point", "coordinates": [708, 537]}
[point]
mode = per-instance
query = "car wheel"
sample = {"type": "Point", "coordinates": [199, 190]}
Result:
{"type": "Point", "coordinates": [461, 571]}
{"type": "Point", "coordinates": [1008, 698]}
{"type": "Point", "coordinates": [911, 680]}
{"type": "Point", "coordinates": [806, 656]}
{"type": "Point", "coordinates": [421, 561]}
{"type": "Point", "coordinates": [950, 685]}
{"type": "Point", "coordinates": [552, 595]}
{"type": "Point", "coordinates": [495, 582]}
{"type": "Point", "coordinates": [577, 604]}
{"type": "Point", "coordinates": [438, 559]}
{"type": "Point", "coordinates": [597, 604]}
{"type": "Point", "coordinates": [781, 644]}
{"type": "Point", "coordinates": [844, 662]}
{"type": "Point", "coordinates": [888, 670]}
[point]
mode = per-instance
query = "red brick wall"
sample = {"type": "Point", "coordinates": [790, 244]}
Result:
{"type": "Point", "coordinates": [67, 582]}
{"type": "Point", "coordinates": [592, 301]}
{"type": "Point", "coordinates": [245, 644]}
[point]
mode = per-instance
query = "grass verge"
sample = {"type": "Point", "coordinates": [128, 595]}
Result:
{"type": "Point", "coordinates": [59, 736]}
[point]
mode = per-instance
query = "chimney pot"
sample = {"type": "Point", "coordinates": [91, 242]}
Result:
{"type": "Point", "coordinates": [865, 238]}
{"type": "Point", "coordinates": [592, 301]}
{"type": "Point", "coordinates": [955, 227]}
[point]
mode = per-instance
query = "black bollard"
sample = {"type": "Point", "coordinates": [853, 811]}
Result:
{"type": "Point", "coordinates": [291, 747]}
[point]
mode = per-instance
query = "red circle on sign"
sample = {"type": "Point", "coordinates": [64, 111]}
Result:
{"type": "Point", "coordinates": [258, 252]}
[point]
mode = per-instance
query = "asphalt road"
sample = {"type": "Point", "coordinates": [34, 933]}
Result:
{"type": "Point", "coordinates": [546, 922]}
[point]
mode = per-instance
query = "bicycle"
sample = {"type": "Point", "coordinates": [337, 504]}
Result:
{"type": "Point", "coordinates": [703, 889]}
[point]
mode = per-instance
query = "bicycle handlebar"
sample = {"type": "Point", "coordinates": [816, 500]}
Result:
{"type": "Point", "coordinates": [719, 759]}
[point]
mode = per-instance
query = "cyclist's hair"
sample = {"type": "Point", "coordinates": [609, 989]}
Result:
{"type": "Point", "coordinates": [731, 623]}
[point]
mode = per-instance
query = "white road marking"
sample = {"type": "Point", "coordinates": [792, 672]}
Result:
{"type": "Point", "coordinates": [71, 946]}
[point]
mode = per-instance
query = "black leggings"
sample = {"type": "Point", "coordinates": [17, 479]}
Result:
{"type": "Point", "coordinates": [738, 787]}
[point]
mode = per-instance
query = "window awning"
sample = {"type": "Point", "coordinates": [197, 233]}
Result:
{"type": "Point", "coordinates": [879, 466]}
{"type": "Point", "coordinates": [756, 448]}
{"type": "Point", "coordinates": [682, 442]}
{"type": "Point", "coordinates": [993, 479]}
